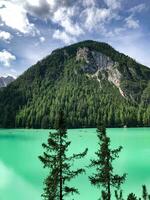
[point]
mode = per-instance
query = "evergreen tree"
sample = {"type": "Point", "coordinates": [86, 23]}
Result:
{"type": "Point", "coordinates": [104, 175]}
{"type": "Point", "coordinates": [131, 196]}
{"type": "Point", "coordinates": [59, 164]}
{"type": "Point", "coordinates": [45, 122]}
{"type": "Point", "coordinates": [144, 192]}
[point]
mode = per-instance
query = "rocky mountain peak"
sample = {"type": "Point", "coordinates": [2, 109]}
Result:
{"type": "Point", "coordinates": [4, 81]}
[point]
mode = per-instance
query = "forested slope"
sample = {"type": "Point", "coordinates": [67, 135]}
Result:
{"type": "Point", "coordinates": [90, 80]}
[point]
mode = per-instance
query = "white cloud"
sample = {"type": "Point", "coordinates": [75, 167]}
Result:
{"type": "Point", "coordinates": [132, 23]}
{"type": "Point", "coordinates": [88, 3]}
{"type": "Point", "coordinates": [113, 32]}
{"type": "Point", "coordinates": [52, 3]}
{"type": "Point", "coordinates": [62, 35]}
{"type": "Point", "coordinates": [94, 16]}
{"type": "Point", "coordinates": [63, 17]}
{"type": "Point", "coordinates": [113, 4]}
{"type": "Point", "coordinates": [70, 29]}
{"type": "Point", "coordinates": [15, 16]}
{"type": "Point", "coordinates": [1, 24]}
{"type": "Point", "coordinates": [6, 36]}
{"type": "Point", "coordinates": [60, 13]}
{"type": "Point", "coordinates": [73, 19]}
{"type": "Point", "coordinates": [6, 58]}
{"type": "Point", "coordinates": [42, 39]}
{"type": "Point", "coordinates": [33, 2]}
{"type": "Point", "coordinates": [40, 10]}
{"type": "Point", "coordinates": [138, 8]}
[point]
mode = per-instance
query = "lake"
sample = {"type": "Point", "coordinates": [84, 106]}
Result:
{"type": "Point", "coordinates": [21, 172]}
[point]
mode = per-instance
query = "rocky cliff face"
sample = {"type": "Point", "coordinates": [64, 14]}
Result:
{"type": "Point", "coordinates": [100, 66]}
{"type": "Point", "coordinates": [4, 81]}
{"type": "Point", "coordinates": [94, 60]}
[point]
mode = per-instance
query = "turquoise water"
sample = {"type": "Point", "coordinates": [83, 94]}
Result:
{"type": "Point", "coordinates": [21, 173]}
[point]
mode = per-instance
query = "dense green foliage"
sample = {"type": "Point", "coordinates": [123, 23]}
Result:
{"type": "Point", "coordinates": [58, 81]}
{"type": "Point", "coordinates": [57, 162]}
{"type": "Point", "coordinates": [105, 178]}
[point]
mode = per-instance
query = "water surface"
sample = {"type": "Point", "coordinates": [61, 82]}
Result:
{"type": "Point", "coordinates": [21, 173]}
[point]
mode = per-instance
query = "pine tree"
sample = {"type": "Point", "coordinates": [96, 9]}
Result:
{"type": "Point", "coordinates": [144, 192]}
{"type": "Point", "coordinates": [131, 196]}
{"type": "Point", "coordinates": [104, 176]}
{"type": "Point", "coordinates": [45, 122]}
{"type": "Point", "coordinates": [59, 165]}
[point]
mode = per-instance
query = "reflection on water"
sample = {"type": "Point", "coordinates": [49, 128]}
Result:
{"type": "Point", "coordinates": [15, 187]}
{"type": "Point", "coordinates": [6, 176]}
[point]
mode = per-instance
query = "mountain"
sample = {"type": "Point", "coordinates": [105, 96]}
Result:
{"type": "Point", "coordinates": [4, 81]}
{"type": "Point", "coordinates": [89, 80]}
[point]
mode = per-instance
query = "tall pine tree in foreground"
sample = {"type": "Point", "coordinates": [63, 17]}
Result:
{"type": "Point", "coordinates": [59, 164]}
{"type": "Point", "coordinates": [104, 176]}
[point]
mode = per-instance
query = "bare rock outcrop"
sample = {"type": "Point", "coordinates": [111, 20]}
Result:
{"type": "Point", "coordinates": [96, 62]}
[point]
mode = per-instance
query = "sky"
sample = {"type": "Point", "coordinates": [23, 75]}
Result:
{"type": "Point", "coordinates": [32, 29]}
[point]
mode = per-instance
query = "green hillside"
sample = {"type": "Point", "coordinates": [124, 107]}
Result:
{"type": "Point", "coordinates": [90, 80]}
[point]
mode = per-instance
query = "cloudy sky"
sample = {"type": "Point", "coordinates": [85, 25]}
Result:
{"type": "Point", "coordinates": [31, 29]}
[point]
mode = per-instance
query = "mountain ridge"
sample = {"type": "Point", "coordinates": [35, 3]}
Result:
{"type": "Point", "coordinates": [89, 80]}
{"type": "Point", "coordinates": [4, 81]}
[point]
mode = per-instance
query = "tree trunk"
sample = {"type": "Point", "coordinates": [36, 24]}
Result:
{"type": "Point", "coordinates": [108, 190]}
{"type": "Point", "coordinates": [109, 179]}
{"type": "Point", "coordinates": [61, 196]}
{"type": "Point", "coordinates": [60, 161]}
